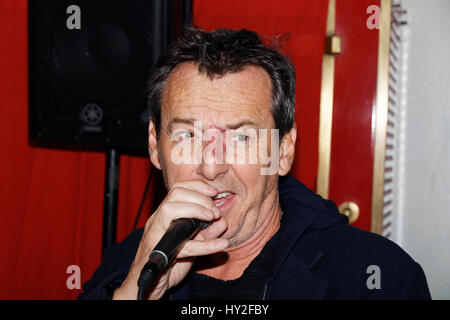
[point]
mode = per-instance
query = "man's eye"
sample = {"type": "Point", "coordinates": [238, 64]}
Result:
{"type": "Point", "coordinates": [241, 138]}
{"type": "Point", "coordinates": [182, 135]}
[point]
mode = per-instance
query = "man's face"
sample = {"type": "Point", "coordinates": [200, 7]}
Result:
{"type": "Point", "coordinates": [229, 107]}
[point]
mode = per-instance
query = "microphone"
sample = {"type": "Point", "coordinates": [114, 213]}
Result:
{"type": "Point", "coordinates": [178, 233]}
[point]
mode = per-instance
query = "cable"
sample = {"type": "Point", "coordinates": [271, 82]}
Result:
{"type": "Point", "coordinates": [144, 196]}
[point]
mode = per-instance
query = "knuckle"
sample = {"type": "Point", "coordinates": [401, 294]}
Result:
{"type": "Point", "coordinates": [178, 185]}
{"type": "Point", "coordinates": [171, 192]}
{"type": "Point", "coordinates": [166, 208]}
{"type": "Point", "coordinates": [175, 184]}
{"type": "Point", "coordinates": [176, 193]}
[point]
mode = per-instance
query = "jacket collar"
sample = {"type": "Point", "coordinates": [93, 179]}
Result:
{"type": "Point", "coordinates": [303, 210]}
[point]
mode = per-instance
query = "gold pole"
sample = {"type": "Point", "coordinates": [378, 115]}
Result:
{"type": "Point", "coordinates": [333, 46]}
{"type": "Point", "coordinates": [381, 115]}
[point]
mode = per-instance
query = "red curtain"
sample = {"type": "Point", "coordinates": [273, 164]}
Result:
{"type": "Point", "coordinates": [51, 201]}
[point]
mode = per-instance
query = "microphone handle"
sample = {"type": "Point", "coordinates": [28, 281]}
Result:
{"type": "Point", "coordinates": [178, 233]}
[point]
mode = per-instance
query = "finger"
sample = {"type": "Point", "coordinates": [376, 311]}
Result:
{"type": "Point", "coordinates": [216, 229]}
{"type": "Point", "coordinates": [176, 210]}
{"type": "Point", "coordinates": [195, 248]}
{"type": "Point", "coordinates": [181, 194]}
{"type": "Point", "coordinates": [196, 185]}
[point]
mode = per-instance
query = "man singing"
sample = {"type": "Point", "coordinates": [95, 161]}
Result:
{"type": "Point", "coordinates": [222, 131]}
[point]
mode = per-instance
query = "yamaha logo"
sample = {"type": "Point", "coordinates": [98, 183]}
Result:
{"type": "Point", "coordinates": [91, 114]}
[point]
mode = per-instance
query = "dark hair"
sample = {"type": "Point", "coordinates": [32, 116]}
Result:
{"type": "Point", "coordinates": [225, 51]}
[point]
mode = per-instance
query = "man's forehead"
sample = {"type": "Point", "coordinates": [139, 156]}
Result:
{"type": "Point", "coordinates": [185, 81]}
{"type": "Point", "coordinates": [188, 92]}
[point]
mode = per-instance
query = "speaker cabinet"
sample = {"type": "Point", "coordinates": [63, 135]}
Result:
{"type": "Point", "coordinates": [89, 62]}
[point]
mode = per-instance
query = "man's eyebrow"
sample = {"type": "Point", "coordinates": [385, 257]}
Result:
{"type": "Point", "coordinates": [189, 121]}
{"type": "Point", "coordinates": [232, 126]}
{"type": "Point", "coordinates": [242, 123]}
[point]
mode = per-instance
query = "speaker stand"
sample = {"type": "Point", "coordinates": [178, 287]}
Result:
{"type": "Point", "coordinates": [111, 197]}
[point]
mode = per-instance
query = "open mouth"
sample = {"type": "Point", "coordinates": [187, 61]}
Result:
{"type": "Point", "coordinates": [222, 199]}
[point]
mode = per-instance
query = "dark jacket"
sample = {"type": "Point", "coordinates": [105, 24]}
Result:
{"type": "Point", "coordinates": [315, 254]}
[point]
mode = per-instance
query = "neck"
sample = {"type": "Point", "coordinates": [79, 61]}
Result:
{"type": "Point", "coordinates": [231, 264]}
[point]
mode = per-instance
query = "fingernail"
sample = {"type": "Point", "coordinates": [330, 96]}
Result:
{"type": "Point", "coordinates": [209, 215]}
{"type": "Point", "coordinates": [216, 211]}
{"type": "Point", "coordinates": [223, 242]}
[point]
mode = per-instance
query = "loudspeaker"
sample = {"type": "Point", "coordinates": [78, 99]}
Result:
{"type": "Point", "coordinates": [89, 62]}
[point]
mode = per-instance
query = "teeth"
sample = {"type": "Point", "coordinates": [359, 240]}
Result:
{"type": "Point", "coordinates": [219, 204]}
{"type": "Point", "coordinates": [221, 195]}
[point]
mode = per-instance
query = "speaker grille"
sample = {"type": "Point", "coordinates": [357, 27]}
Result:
{"type": "Point", "coordinates": [88, 84]}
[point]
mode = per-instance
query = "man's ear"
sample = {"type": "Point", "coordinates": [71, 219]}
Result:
{"type": "Point", "coordinates": [153, 145]}
{"type": "Point", "coordinates": [287, 151]}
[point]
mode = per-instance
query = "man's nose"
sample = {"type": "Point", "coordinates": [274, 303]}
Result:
{"type": "Point", "coordinates": [213, 162]}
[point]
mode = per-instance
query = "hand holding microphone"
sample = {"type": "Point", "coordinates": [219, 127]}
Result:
{"type": "Point", "coordinates": [184, 211]}
{"type": "Point", "coordinates": [178, 233]}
